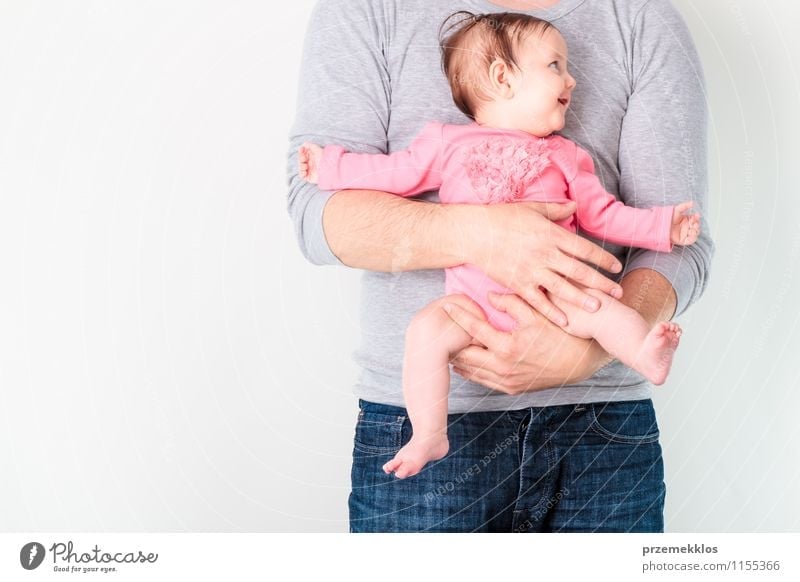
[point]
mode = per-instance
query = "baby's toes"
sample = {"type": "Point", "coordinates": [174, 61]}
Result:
{"type": "Point", "coordinates": [676, 335]}
{"type": "Point", "coordinates": [392, 465]}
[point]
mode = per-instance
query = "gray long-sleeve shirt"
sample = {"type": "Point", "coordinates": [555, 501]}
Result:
{"type": "Point", "coordinates": [370, 80]}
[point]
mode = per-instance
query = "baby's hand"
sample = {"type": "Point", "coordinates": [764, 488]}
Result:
{"type": "Point", "coordinates": [685, 228]}
{"type": "Point", "coordinates": [308, 158]}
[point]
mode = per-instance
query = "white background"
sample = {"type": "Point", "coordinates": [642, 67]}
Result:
{"type": "Point", "coordinates": [168, 360]}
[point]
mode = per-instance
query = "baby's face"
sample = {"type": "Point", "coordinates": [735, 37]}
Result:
{"type": "Point", "coordinates": [543, 84]}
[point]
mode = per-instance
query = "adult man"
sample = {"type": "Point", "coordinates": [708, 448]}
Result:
{"type": "Point", "coordinates": [583, 456]}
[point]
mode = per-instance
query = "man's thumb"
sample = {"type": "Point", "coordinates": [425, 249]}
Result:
{"type": "Point", "coordinates": [559, 211]}
{"type": "Point", "coordinates": [554, 210]}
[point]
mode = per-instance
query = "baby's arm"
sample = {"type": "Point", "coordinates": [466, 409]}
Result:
{"type": "Point", "coordinates": [601, 215]}
{"type": "Point", "coordinates": [406, 173]}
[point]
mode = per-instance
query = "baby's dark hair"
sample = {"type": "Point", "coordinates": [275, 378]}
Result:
{"type": "Point", "coordinates": [470, 43]}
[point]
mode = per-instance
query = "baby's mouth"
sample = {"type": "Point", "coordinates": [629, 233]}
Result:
{"type": "Point", "coordinates": [564, 102]}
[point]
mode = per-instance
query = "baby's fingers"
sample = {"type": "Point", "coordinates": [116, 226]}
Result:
{"type": "Point", "coordinates": [690, 230]}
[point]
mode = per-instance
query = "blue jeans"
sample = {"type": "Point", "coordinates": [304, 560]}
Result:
{"type": "Point", "coordinates": [572, 468]}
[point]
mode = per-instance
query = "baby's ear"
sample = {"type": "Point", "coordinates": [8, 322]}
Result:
{"type": "Point", "coordinates": [501, 78]}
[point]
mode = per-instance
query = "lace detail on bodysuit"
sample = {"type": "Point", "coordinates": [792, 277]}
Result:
{"type": "Point", "coordinates": [501, 168]}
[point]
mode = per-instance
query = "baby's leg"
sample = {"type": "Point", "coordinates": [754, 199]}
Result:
{"type": "Point", "coordinates": [624, 334]}
{"type": "Point", "coordinates": [431, 339]}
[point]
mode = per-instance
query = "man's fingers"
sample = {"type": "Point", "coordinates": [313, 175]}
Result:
{"type": "Point", "coordinates": [472, 358]}
{"type": "Point", "coordinates": [538, 299]}
{"type": "Point", "coordinates": [580, 248]}
{"type": "Point", "coordinates": [556, 211]}
{"type": "Point", "coordinates": [575, 270]}
{"type": "Point", "coordinates": [478, 328]}
{"type": "Point", "coordinates": [485, 378]}
{"type": "Point", "coordinates": [511, 304]}
{"type": "Point", "coordinates": [566, 291]}
{"type": "Point", "coordinates": [477, 365]}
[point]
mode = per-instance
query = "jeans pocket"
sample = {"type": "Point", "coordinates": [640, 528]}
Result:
{"type": "Point", "coordinates": [378, 433]}
{"type": "Point", "coordinates": [627, 422]}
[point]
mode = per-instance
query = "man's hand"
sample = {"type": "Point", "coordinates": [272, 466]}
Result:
{"type": "Point", "coordinates": [538, 354]}
{"type": "Point", "coordinates": [534, 356]}
{"type": "Point", "coordinates": [515, 244]}
{"type": "Point", "coordinates": [518, 246]}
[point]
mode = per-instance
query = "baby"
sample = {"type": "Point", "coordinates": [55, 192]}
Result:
{"type": "Point", "coordinates": [508, 72]}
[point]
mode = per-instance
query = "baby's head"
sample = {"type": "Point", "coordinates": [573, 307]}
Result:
{"type": "Point", "coordinates": [507, 70]}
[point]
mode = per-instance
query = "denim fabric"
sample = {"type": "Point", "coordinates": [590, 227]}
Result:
{"type": "Point", "coordinates": [573, 468]}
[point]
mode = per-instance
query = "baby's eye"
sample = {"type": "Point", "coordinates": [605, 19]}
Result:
{"type": "Point", "coordinates": [554, 65]}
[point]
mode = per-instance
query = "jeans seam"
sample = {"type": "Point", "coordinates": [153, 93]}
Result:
{"type": "Point", "coordinates": [618, 438]}
{"type": "Point", "coordinates": [521, 465]}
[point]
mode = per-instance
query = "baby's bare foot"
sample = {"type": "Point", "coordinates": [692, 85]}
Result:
{"type": "Point", "coordinates": [655, 356]}
{"type": "Point", "coordinates": [420, 450]}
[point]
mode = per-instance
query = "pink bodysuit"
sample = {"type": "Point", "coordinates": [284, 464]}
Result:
{"type": "Point", "coordinates": [471, 164]}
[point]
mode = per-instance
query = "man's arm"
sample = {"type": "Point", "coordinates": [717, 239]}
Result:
{"type": "Point", "coordinates": [650, 294]}
{"type": "Point", "coordinates": [377, 231]}
{"type": "Point", "coordinates": [663, 162]}
{"type": "Point", "coordinates": [516, 245]}
{"type": "Point", "coordinates": [663, 143]}
{"type": "Point", "coordinates": [343, 98]}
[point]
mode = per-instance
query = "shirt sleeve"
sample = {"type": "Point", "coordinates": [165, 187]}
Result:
{"type": "Point", "coordinates": [343, 98]}
{"type": "Point", "coordinates": [663, 157]}
{"type": "Point", "coordinates": [406, 173]}
{"type": "Point", "coordinates": [602, 216]}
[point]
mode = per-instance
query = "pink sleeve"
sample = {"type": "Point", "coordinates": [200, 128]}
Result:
{"type": "Point", "coordinates": [406, 173]}
{"type": "Point", "coordinates": [602, 216]}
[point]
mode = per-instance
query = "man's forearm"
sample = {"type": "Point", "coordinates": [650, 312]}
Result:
{"type": "Point", "coordinates": [377, 231]}
{"type": "Point", "coordinates": [650, 294]}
